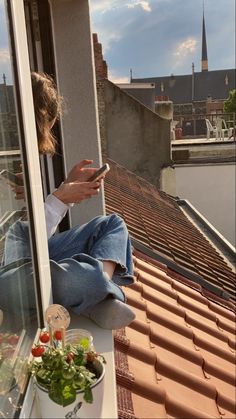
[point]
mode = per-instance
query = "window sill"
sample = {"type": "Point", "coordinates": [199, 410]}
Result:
{"type": "Point", "coordinates": [103, 342]}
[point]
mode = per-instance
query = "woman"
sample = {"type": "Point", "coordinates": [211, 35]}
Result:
{"type": "Point", "coordinates": [88, 262]}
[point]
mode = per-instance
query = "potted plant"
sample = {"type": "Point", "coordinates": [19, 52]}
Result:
{"type": "Point", "coordinates": [69, 377]}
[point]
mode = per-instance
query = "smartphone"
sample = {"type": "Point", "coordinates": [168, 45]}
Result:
{"type": "Point", "coordinates": [100, 172]}
{"type": "Point", "coordinates": [11, 178]}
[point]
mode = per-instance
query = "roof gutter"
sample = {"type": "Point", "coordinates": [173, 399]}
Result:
{"type": "Point", "coordinates": [212, 233]}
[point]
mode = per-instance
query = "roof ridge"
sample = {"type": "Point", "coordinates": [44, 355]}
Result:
{"type": "Point", "coordinates": [181, 75]}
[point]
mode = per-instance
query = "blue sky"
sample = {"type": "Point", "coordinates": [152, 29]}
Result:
{"type": "Point", "coordinates": [4, 47]}
{"type": "Point", "coordinates": [160, 37]}
{"type": "Point", "coordinates": [154, 37]}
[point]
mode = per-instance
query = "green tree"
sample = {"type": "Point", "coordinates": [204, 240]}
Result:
{"type": "Point", "coordinates": [230, 103]}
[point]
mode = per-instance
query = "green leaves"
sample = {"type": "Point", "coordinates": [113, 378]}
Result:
{"type": "Point", "coordinates": [43, 376]}
{"type": "Point", "coordinates": [230, 103]}
{"type": "Point", "coordinates": [88, 395]}
{"type": "Point", "coordinates": [62, 393]}
{"type": "Point", "coordinates": [68, 372]}
{"type": "Point", "coordinates": [65, 371]}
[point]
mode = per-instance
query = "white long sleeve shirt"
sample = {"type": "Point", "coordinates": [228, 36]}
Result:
{"type": "Point", "coordinates": [55, 210]}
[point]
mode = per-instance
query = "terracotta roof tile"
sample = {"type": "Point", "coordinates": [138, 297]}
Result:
{"type": "Point", "coordinates": [176, 359]}
{"type": "Point", "coordinates": [156, 220]}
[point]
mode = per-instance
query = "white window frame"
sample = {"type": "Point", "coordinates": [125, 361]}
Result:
{"type": "Point", "coordinates": [26, 98]}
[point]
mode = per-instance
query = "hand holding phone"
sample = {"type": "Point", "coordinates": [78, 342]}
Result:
{"type": "Point", "coordinates": [100, 173]}
{"type": "Point", "coordinates": [11, 178]}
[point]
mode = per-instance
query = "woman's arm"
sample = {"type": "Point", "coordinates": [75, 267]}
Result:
{"type": "Point", "coordinates": [55, 210]}
{"type": "Point", "coordinates": [75, 189]}
{"type": "Point", "coordinates": [57, 204]}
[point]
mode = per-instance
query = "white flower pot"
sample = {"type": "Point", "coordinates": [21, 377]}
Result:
{"type": "Point", "coordinates": [79, 408]}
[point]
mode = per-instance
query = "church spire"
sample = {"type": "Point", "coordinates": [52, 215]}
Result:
{"type": "Point", "coordinates": [204, 45]}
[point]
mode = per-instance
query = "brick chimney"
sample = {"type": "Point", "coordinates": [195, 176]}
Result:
{"type": "Point", "coordinates": [101, 79]}
{"type": "Point", "coordinates": [100, 63]}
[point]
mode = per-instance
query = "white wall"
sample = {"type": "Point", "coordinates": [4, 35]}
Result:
{"type": "Point", "coordinates": [211, 189]}
{"type": "Point", "coordinates": [76, 82]}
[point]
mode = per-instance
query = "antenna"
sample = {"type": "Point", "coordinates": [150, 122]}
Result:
{"type": "Point", "coordinates": [131, 74]}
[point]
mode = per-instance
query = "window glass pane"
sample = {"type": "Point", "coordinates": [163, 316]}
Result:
{"type": "Point", "coordinates": [18, 314]}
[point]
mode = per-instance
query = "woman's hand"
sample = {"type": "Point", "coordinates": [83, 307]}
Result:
{"type": "Point", "coordinates": [75, 192]}
{"type": "Point", "coordinates": [81, 173]}
{"type": "Point", "coordinates": [19, 190]}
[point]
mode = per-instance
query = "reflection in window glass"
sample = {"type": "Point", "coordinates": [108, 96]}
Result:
{"type": "Point", "coordinates": [18, 316]}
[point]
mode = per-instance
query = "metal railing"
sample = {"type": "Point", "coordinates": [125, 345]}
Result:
{"type": "Point", "coordinates": [194, 125]}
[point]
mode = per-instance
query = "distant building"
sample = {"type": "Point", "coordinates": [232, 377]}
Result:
{"type": "Point", "coordinates": [144, 92]}
{"type": "Point", "coordinates": [131, 132]}
{"type": "Point", "coordinates": [199, 93]}
{"type": "Point", "coordinates": [8, 132]}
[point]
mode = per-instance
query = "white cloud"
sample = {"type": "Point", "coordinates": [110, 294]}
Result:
{"type": "Point", "coordinates": [4, 55]}
{"type": "Point", "coordinates": [108, 33]}
{"type": "Point", "coordinates": [182, 52]}
{"type": "Point", "coordinates": [185, 48]}
{"type": "Point", "coordinates": [115, 78]}
{"type": "Point", "coordinates": [105, 12]}
{"type": "Point", "coordinates": [144, 4]}
{"type": "Point", "coordinates": [107, 39]}
{"type": "Point", "coordinates": [103, 6]}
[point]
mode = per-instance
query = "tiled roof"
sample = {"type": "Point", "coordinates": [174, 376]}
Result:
{"type": "Point", "coordinates": [156, 221]}
{"type": "Point", "coordinates": [179, 87]}
{"type": "Point", "coordinates": [177, 358]}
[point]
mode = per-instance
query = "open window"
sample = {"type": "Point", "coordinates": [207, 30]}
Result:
{"type": "Point", "coordinates": [24, 267]}
{"type": "Point", "coordinates": [35, 35]}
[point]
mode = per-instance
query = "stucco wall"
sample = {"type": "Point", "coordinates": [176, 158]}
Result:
{"type": "Point", "coordinates": [210, 188]}
{"type": "Point", "coordinates": [144, 95]}
{"type": "Point", "coordinates": [135, 137]}
{"type": "Point", "coordinates": [77, 84]}
{"type": "Point", "coordinates": [164, 108]}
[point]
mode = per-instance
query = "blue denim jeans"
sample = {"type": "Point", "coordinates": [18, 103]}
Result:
{"type": "Point", "coordinates": [76, 256]}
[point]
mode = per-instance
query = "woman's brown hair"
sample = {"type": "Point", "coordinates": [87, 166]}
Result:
{"type": "Point", "coordinates": [47, 106]}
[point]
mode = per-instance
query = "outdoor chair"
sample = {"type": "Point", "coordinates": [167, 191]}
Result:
{"type": "Point", "coordinates": [211, 129]}
{"type": "Point", "coordinates": [223, 129]}
{"type": "Point", "coordinates": [172, 129]}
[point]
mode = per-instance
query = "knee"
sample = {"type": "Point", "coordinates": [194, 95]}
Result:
{"type": "Point", "coordinates": [116, 220]}
{"type": "Point", "coordinates": [111, 222]}
{"type": "Point", "coordinates": [115, 217]}
{"type": "Point", "coordinates": [18, 229]}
